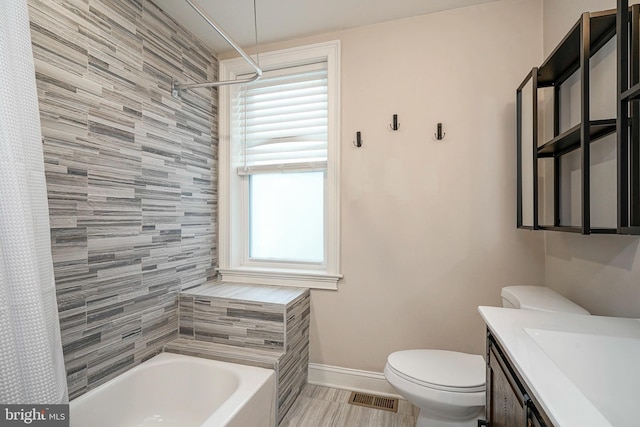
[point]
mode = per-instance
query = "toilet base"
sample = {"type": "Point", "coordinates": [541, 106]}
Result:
{"type": "Point", "coordinates": [424, 420]}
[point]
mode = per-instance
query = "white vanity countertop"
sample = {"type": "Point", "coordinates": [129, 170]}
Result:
{"type": "Point", "coordinates": [583, 370]}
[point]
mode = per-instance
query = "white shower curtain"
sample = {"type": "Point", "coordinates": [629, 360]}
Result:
{"type": "Point", "coordinates": [31, 362]}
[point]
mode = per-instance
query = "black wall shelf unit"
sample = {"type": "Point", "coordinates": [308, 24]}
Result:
{"type": "Point", "coordinates": [570, 139]}
{"type": "Point", "coordinates": [593, 31]}
{"type": "Point", "coordinates": [590, 33]}
{"type": "Point", "coordinates": [628, 141]}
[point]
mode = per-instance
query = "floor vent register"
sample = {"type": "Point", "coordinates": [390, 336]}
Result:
{"type": "Point", "coordinates": [373, 401]}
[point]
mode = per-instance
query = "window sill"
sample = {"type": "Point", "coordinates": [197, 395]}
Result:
{"type": "Point", "coordinates": [299, 278]}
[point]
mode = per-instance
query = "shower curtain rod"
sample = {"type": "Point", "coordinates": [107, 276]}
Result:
{"type": "Point", "coordinates": [177, 87]}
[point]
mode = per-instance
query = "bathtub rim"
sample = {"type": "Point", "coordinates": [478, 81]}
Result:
{"type": "Point", "coordinates": [250, 378]}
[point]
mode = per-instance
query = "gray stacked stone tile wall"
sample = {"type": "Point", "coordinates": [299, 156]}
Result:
{"type": "Point", "coordinates": [131, 176]}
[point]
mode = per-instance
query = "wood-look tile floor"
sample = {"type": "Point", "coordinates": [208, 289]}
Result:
{"type": "Point", "coordinates": [327, 407]}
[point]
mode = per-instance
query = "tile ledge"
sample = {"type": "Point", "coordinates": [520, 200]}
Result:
{"type": "Point", "coordinates": [244, 291]}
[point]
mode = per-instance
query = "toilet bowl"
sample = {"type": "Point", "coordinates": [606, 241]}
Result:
{"type": "Point", "coordinates": [448, 386]}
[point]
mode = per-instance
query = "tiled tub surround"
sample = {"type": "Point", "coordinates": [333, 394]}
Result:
{"type": "Point", "coordinates": [265, 326]}
{"type": "Point", "coordinates": [130, 176]}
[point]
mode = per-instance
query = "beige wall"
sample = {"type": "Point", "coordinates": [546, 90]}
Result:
{"type": "Point", "coordinates": [601, 273]}
{"type": "Point", "coordinates": [428, 227]}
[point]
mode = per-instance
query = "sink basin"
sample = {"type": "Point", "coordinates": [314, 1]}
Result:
{"type": "Point", "coordinates": [604, 368]}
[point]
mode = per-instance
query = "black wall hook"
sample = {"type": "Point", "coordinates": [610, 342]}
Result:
{"type": "Point", "coordinates": [358, 141]}
{"type": "Point", "coordinates": [395, 125]}
{"type": "Point", "coordinates": [439, 134]}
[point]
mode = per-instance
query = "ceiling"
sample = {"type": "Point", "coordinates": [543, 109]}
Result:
{"type": "Point", "coordinates": [288, 19]}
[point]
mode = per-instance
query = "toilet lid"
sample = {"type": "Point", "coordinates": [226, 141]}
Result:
{"type": "Point", "coordinates": [441, 369]}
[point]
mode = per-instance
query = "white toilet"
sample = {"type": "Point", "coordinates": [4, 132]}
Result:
{"type": "Point", "coordinates": [448, 386]}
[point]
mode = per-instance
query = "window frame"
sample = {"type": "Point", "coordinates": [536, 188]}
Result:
{"type": "Point", "coordinates": [234, 262]}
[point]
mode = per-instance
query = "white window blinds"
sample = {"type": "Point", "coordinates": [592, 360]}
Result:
{"type": "Point", "coordinates": [281, 120]}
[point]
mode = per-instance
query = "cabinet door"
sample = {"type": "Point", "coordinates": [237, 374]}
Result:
{"type": "Point", "coordinates": [507, 404]}
{"type": "Point", "coordinates": [533, 420]}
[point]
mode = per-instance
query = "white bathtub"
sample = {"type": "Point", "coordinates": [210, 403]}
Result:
{"type": "Point", "coordinates": [173, 390]}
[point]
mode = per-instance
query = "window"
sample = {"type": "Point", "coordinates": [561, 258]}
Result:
{"type": "Point", "coordinates": [286, 220]}
{"type": "Point", "coordinates": [279, 164]}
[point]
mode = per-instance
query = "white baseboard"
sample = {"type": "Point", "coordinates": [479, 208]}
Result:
{"type": "Point", "coordinates": [350, 379]}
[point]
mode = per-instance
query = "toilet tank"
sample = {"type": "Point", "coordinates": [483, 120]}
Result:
{"type": "Point", "coordinates": [538, 298]}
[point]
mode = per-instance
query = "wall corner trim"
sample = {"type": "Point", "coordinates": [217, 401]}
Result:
{"type": "Point", "coordinates": [350, 379]}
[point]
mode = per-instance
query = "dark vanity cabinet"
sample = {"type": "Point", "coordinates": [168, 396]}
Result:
{"type": "Point", "coordinates": [509, 404]}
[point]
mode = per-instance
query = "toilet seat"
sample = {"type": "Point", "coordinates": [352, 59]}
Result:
{"type": "Point", "coordinates": [440, 369]}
